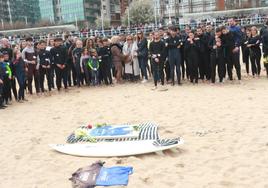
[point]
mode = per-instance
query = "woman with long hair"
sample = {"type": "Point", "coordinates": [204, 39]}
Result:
{"type": "Point", "coordinates": [143, 55]}
{"type": "Point", "coordinates": [255, 51]}
{"type": "Point", "coordinates": [127, 49]}
{"type": "Point", "coordinates": [90, 44]}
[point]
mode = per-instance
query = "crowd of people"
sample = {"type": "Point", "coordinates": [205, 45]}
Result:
{"type": "Point", "coordinates": [168, 55]}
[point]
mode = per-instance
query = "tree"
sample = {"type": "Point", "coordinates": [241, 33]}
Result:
{"type": "Point", "coordinates": [140, 12]}
{"type": "Point", "coordinates": [106, 22]}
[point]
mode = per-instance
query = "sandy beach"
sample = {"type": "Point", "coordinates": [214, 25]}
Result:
{"type": "Point", "coordinates": [225, 130]}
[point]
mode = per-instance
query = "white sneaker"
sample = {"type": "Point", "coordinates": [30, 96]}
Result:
{"type": "Point", "coordinates": [144, 81]}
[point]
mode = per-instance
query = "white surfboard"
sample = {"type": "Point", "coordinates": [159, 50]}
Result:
{"type": "Point", "coordinates": [112, 149]}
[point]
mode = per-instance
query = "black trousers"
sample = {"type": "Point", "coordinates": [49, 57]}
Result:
{"type": "Point", "coordinates": [167, 70]}
{"type": "Point", "coordinates": [72, 76]}
{"type": "Point", "coordinates": [45, 73]}
{"type": "Point", "coordinates": [193, 69]}
{"type": "Point", "coordinates": [266, 67]}
{"type": "Point", "coordinates": [1, 95]}
{"type": "Point", "coordinates": [61, 75]}
{"type": "Point", "coordinates": [6, 93]}
{"type": "Point", "coordinates": [207, 65]}
{"type": "Point", "coordinates": [246, 59]}
{"type": "Point", "coordinates": [255, 59]}
{"type": "Point", "coordinates": [201, 66]}
{"type": "Point", "coordinates": [220, 64]}
{"type": "Point", "coordinates": [234, 61]}
{"type": "Point", "coordinates": [14, 88]}
{"type": "Point", "coordinates": [105, 72]}
{"type": "Point", "coordinates": [33, 73]}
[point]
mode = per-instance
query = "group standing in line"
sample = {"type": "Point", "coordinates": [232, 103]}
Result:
{"type": "Point", "coordinates": [169, 56]}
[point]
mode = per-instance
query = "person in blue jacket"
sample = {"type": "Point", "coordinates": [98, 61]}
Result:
{"type": "Point", "coordinates": [20, 73]}
{"type": "Point", "coordinates": [2, 74]}
{"type": "Point", "coordinates": [235, 56]}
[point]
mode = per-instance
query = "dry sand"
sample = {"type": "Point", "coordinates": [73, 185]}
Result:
{"type": "Point", "coordinates": [225, 129]}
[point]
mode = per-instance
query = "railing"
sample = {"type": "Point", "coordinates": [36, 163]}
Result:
{"type": "Point", "coordinates": [147, 29]}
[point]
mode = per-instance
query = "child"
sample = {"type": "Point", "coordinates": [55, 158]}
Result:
{"type": "Point", "coordinates": [2, 74]}
{"type": "Point", "coordinates": [83, 64]}
{"type": "Point", "coordinates": [94, 65]}
{"type": "Point", "coordinates": [20, 74]}
{"type": "Point", "coordinates": [76, 54]}
{"type": "Point", "coordinates": [45, 66]}
{"type": "Point", "coordinates": [7, 79]}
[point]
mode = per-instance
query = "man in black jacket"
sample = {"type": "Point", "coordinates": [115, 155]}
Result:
{"type": "Point", "coordinates": [59, 56]}
{"type": "Point", "coordinates": [105, 67]}
{"type": "Point", "coordinates": [44, 58]}
{"type": "Point", "coordinates": [217, 57]}
{"type": "Point", "coordinates": [174, 43]}
{"type": "Point", "coordinates": [228, 43]}
{"type": "Point", "coordinates": [202, 61]}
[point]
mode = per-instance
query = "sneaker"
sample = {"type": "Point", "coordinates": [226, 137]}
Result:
{"type": "Point", "coordinates": [144, 81]}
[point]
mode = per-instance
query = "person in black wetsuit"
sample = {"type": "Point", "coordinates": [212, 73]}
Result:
{"type": "Point", "coordinates": [156, 50]}
{"type": "Point", "coordinates": [191, 52]}
{"type": "Point", "coordinates": [228, 43]}
{"type": "Point", "coordinates": [105, 65]}
{"type": "Point", "coordinates": [245, 49]}
{"type": "Point", "coordinates": [265, 48]}
{"type": "Point", "coordinates": [174, 43]}
{"type": "Point", "coordinates": [202, 64]}
{"type": "Point", "coordinates": [44, 58]}
{"type": "Point", "coordinates": [255, 52]}
{"type": "Point", "coordinates": [76, 54]}
{"type": "Point", "coordinates": [59, 56]}
{"type": "Point", "coordinates": [217, 57]}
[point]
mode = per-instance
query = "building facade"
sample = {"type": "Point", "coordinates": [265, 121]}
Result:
{"type": "Point", "coordinates": [47, 10]}
{"type": "Point", "coordinates": [67, 11]}
{"type": "Point", "coordinates": [173, 9]}
{"type": "Point", "coordinates": [19, 11]}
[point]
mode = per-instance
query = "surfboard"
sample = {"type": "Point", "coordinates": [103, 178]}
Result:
{"type": "Point", "coordinates": [117, 149]}
{"type": "Point", "coordinates": [114, 132]}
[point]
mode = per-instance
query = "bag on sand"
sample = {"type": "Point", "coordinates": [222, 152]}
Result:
{"type": "Point", "coordinates": [86, 177]}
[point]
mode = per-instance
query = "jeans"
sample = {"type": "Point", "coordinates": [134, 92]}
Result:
{"type": "Point", "coordinates": [143, 65]}
{"type": "Point", "coordinates": [174, 59]}
{"type": "Point", "coordinates": [21, 82]}
{"type": "Point", "coordinates": [95, 77]}
{"type": "Point", "coordinates": [158, 72]}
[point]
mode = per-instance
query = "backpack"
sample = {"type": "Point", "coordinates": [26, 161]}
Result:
{"type": "Point", "coordinates": [86, 177]}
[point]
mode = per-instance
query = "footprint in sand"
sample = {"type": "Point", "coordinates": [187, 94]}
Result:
{"type": "Point", "coordinates": [36, 140]}
{"type": "Point", "coordinates": [179, 165]}
{"type": "Point", "coordinates": [17, 157]}
{"type": "Point", "coordinates": [145, 179]}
